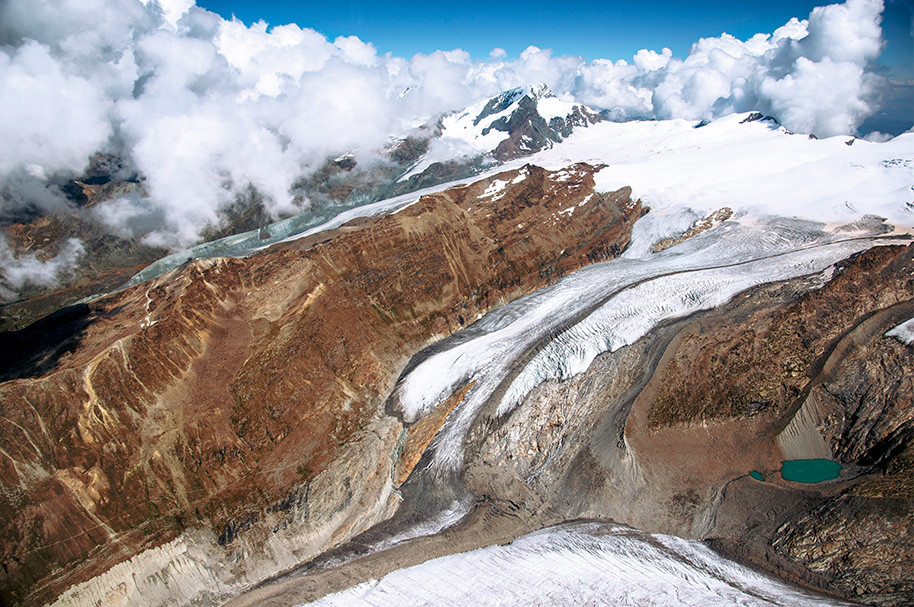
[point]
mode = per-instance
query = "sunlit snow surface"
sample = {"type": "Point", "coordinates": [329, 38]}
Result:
{"type": "Point", "coordinates": [578, 564]}
{"type": "Point", "coordinates": [464, 135]}
{"type": "Point", "coordinates": [749, 166]}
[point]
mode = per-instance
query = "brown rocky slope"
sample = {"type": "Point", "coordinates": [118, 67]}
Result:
{"type": "Point", "coordinates": [230, 392]}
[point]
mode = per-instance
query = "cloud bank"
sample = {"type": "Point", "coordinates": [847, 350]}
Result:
{"type": "Point", "coordinates": [204, 108]}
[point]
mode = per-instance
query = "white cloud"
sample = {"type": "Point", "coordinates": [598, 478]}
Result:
{"type": "Point", "coordinates": [50, 118]}
{"type": "Point", "coordinates": [205, 108]}
{"type": "Point", "coordinates": [28, 270]}
{"type": "Point", "coordinates": [821, 97]}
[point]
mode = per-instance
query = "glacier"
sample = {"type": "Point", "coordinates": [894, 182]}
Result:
{"type": "Point", "coordinates": [582, 563]}
{"type": "Point", "coordinates": [556, 332]}
{"type": "Point", "coordinates": [799, 205]}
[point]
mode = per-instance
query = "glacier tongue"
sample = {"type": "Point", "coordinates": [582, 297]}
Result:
{"type": "Point", "coordinates": [584, 563]}
{"type": "Point", "coordinates": [558, 331]}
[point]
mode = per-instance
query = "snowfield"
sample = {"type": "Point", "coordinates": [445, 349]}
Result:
{"type": "Point", "coordinates": [755, 166]}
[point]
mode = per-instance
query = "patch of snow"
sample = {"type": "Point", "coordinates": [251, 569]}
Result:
{"type": "Point", "coordinates": [494, 188]}
{"type": "Point", "coordinates": [903, 332]}
{"type": "Point", "coordinates": [586, 200]}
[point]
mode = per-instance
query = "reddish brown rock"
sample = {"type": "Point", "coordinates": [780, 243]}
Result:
{"type": "Point", "coordinates": [213, 391]}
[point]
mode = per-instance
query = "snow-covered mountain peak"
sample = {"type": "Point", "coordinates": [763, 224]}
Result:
{"type": "Point", "coordinates": [512, 98]}
{"type": "Point", "coordinates": [515, 123]}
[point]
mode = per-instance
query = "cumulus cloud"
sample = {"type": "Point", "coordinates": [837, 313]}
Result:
{"type": "Point", "coordinates": [206, 108]}
{"type": "Point", "coordinates": [811, 75]}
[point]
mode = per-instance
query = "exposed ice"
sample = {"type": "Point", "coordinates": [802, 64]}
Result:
{"type": "Point", "coordinates": [583, 563]}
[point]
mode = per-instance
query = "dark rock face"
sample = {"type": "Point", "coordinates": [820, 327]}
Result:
{"type": "Point", "coordinates": [862, 546]}
{"type": "Point", "coordinates": [210, 396]}
{"type": "Point", "coordinates": [528, 132]}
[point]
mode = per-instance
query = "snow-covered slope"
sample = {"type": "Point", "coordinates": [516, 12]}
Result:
{"type": "Point", "coordinates": [747, 164]}
{"type": "Point", "coordinates": [579, 564]}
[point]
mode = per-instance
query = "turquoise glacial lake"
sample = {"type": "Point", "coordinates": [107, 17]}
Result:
{"type": "Point", "coordinates": [810, 470]}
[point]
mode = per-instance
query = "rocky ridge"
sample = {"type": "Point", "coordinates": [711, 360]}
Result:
{"type": "Point", "coordinates": [108, 258]}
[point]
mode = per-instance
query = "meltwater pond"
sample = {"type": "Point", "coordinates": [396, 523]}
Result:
{"type": "Point", "coordinates": [810, 470]}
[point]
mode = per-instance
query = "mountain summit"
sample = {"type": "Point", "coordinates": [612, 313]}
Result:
{"type": "Point", "coordinates": [515, 123]}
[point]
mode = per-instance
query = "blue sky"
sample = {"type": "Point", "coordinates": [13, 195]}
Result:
{"type": "Point", "coordinates": [613, 30]}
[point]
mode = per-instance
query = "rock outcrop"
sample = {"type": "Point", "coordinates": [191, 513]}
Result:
{"type": "Point", "coordinates": [531, 119]}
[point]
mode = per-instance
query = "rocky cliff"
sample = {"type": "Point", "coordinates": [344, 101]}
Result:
{"type": "Point", "coordinates": [232, 411]}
